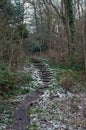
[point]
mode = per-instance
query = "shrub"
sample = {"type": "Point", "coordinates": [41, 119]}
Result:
{"type": "Point", "coordinates": [10, 81]}
{"type": "Point", "coordinates": [24, 78]}
{"type": "Point", "coordinates": [7, 79]}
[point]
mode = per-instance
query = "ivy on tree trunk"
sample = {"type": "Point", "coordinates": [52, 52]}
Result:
{"type": "Point", "coordinates": [69, 4]}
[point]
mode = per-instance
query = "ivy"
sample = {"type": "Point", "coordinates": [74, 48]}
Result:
{"type": "Point", "coordinates": [71, 21]}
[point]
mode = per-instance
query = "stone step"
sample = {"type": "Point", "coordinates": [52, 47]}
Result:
{"type": "Point", "coordinates": [42, 68]}
{"type": "Point", "coordinates": [40, 65]}
{"type": "Point", "coordinates": [46, 80]}
{"type": "Point", "coordinates": [44, 72]}
{"type": "Point", "coordinates": [46, 76]}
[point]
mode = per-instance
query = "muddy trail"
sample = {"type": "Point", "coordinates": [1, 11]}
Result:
{"type": "Point", "coordinates": [21, 117]}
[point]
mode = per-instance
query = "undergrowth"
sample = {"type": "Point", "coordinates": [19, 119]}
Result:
{"type": "Point", "coordinates": [11, 81]}
{"type": "Point", "coordinates": [14, 86]}
{"type": "Point", "coordinates": [71, 76]}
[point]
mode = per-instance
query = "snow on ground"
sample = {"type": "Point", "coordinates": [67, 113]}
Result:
{"type": "Point", "coordinates": [57, 110]}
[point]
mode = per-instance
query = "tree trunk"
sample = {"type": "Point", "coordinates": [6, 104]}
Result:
{"type": "Point", "coordinates": [84, 40]}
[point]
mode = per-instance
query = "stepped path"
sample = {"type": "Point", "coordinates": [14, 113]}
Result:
{"type": "Point", "coordinates": [49, 106]}
{"type": "Point", "coordinates": [44, 73]}
{"type": "Point", "coordinates": [21, 119]}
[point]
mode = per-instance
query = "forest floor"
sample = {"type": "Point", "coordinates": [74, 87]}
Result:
{"type": "Point", "coordinates": [56, 101]}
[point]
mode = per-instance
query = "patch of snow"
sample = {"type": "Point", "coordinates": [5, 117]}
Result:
{"type": "Point", "coordinates": [35, 75]}
{"type": "Point", "coordinates": [58, 112]}
{"type": "Point", "coordinates": [18, 98]}
{"type": "Point", "coordinates": [46, 95]}
{"type": "Point", "coordinates": [2, 126]}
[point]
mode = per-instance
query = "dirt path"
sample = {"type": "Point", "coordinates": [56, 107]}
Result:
{"type": "Point", "coordinates": [50, 107]}
{"type": "Point", "coordinates": [21, 117]}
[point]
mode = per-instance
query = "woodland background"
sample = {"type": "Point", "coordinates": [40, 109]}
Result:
{"type": "Point", "coordinates": [53, 30]}
{"type": "Point", "coordinates": [56, 29]}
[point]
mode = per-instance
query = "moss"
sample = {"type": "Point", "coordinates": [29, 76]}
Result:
{"type": "Point", "coordinates": [33, 126]}
{"type": "Point", "coordinates": [34, 111]}
{"type": "Point", "coordinates": [6, 113]}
